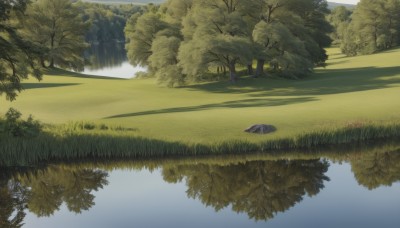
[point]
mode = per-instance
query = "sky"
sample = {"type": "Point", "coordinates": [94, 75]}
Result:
{"type": "Point", "coordinates": [345, 1]}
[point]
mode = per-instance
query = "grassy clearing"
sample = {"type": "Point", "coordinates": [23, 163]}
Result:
{"type": "Point", "coordinates": [315, 111]}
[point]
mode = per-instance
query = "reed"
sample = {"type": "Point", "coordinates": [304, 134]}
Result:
{"type": "Point", "coordinates": [86, 141]}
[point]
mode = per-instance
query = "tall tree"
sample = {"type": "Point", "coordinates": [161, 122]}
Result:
{"type": "Point", "coordinates": [375, 26]}
{"type": "Point", "coordinates": [339, 18]}
{"type": "Point", "coordinates": [219, 39]}
{"type": "Point", "coordinates": [140, 32]}
{"type": "Point", "coordinates": [291, 36]}
{"type": "Point", "coordinates": [57, 26]}
{"type": "Point", "coordinates": [16, 53]}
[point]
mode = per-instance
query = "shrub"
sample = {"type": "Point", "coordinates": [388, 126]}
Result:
{"type": "Point", "coordinates": [14, 126]}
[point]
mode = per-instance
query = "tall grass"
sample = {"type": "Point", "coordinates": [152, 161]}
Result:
{"type": "Point", "coordinates": [74, 142]}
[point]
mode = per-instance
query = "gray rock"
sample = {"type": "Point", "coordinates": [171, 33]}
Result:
{"type": "Point", "coordinates": [261, 129]}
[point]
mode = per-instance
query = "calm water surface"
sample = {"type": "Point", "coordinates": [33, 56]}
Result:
{"type": "Point", "coordinates": [354, 191]}
{"type": "Point", "coordinates": [110, 60]}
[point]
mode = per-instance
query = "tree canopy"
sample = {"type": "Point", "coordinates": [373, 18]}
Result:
{"type": "Point", "coordinates": [57, 27]}
{"type": "Point", "coordinates": [17, 54]}
{"type": "Point", "coordinates": [199, 37]}
{"type": "Point", "coordinates": [374, 26]}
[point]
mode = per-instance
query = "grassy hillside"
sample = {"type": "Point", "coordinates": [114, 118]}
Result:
{"type": "Point", "coordinates": [349, 90]}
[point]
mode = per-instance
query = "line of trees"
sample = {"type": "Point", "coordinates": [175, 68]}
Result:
{"type": "Point", "coordinates": [107, 22]}
{"type": "Point", "coordinates": [38, 34]}
{"type": "Point", "coordinates": [183, 40]}
{"type": "Point", "coordinates": [373, 26]}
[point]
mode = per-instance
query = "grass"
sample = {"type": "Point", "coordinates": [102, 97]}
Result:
{"type": "Point", "coordinates": [325, 108]}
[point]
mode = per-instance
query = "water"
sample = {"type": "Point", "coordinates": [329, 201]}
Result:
{"type": "Point", "coordinates": [351, 190]}
{"type": "Point", "coordinates": [110, 60]}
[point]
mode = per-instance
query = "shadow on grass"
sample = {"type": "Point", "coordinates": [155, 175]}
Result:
{"type": "Point", "coordinates": [65, 73]}
{"type": "Point", "coordinates": [46, 85]}
{"type": "Point", "coordinates": [246, 103]}
{"type": "Point", "coordinates": [322, 82]}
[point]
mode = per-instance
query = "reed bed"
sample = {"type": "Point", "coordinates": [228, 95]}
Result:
{"type": "Point", "coordinates": [74, 142]}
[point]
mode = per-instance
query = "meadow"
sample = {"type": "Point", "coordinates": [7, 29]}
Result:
{"type": "Point", "coordinates": [352, 99]}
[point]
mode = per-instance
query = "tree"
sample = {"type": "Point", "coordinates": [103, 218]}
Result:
{"type": "Point", "coordinates": [16, 53]}
{"type": "Point", "coordinates": [291, 36]}
{"type": "Point", "coordinates": [140, 32]}
{"type": "Point", "coordinates": [56, 26]}
{"type": "Point", "coordinates": [207, 36]}
{"type": "Point", "coordinates": [375, 26]}
{"type": "Point", "coordinates": [219, 39]}
{"type": "Point", "coordinates": [339, 18]}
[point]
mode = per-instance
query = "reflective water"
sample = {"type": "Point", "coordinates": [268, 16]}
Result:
{"type": "Point", "coordinates": [349, 190]}
{"type": "Point", "coordinates": [109, 59]}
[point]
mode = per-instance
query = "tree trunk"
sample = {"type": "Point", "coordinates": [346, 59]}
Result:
{"type": "Point", "coordinates": [260, 68]}
{"type": "Point", "coordinates": [232, 71]}
{"type": "Point", "coordinates": [250, 69]}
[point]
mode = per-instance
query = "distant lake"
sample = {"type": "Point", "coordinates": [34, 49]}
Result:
{"type": "Point", "coordinates": [110, 60]}
{"type": "Point", "coordinates": [349, 190]}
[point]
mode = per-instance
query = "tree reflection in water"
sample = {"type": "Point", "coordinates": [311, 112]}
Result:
{"type": "Point", "coordinates": [259, 188]}
{"type": "Point", "coordinates": [373, 170]}
{"type": "Point", "coordinates": [43, 192]}
{"type": "Point", "coordinates": [12, 201]}
{"type": "Point", "coordinates": [105, 55]}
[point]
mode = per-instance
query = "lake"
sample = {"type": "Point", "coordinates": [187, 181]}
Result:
{"type": "Point", "coordinates": [355, 189]}
{"type": "Point", "coordinates": [109, 60]}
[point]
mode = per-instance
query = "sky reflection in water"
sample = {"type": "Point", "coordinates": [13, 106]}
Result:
{"type": "Point", "coordinates": [277, 193]}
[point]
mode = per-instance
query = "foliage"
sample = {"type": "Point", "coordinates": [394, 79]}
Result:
{"type": "Point", "coordinates": [107, 22]}
{"type": "Point", "coordinates": [57, 27]}
{"type": "Point", "coordinates": [339, 18]}
{"type": "Point", "coordinates": [14, 126]}
{"type": "Point", "coordinates": [215, 37]}
{"type": "Point", "coordinates": [375, 26]}
{"type": "Point", "coordinates": [16, 53]}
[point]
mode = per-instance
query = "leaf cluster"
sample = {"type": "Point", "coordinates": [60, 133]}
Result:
{"type": "Point", "coordinates": [14, 126]}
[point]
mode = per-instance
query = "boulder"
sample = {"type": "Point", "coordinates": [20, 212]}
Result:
{"type": "Point", "coordinates": [261, 129]}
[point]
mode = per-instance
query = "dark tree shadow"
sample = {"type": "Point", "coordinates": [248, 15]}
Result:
{"type": "Point", "coordinates": [246, 103]}
{"type": "Point", "coordinates": [46, 85]}
{"type": "Point", "coordinates": [322, 82]}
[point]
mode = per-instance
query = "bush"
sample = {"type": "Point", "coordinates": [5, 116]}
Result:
{"type": "Point", "coordinates": [14, 126]}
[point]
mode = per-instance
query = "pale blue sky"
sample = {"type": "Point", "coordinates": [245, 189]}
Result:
{"type": "Point", "coordinates": [345, 1]}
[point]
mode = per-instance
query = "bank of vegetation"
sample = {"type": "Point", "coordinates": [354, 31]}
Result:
{"type": "Point", "coordinates": [26, 143]}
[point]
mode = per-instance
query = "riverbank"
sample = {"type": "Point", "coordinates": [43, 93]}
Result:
{"type": "Point", "coordinates": [354, 96]}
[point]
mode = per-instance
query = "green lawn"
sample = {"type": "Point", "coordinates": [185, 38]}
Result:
{"type": "Point", "coordinates": [364, 88]}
